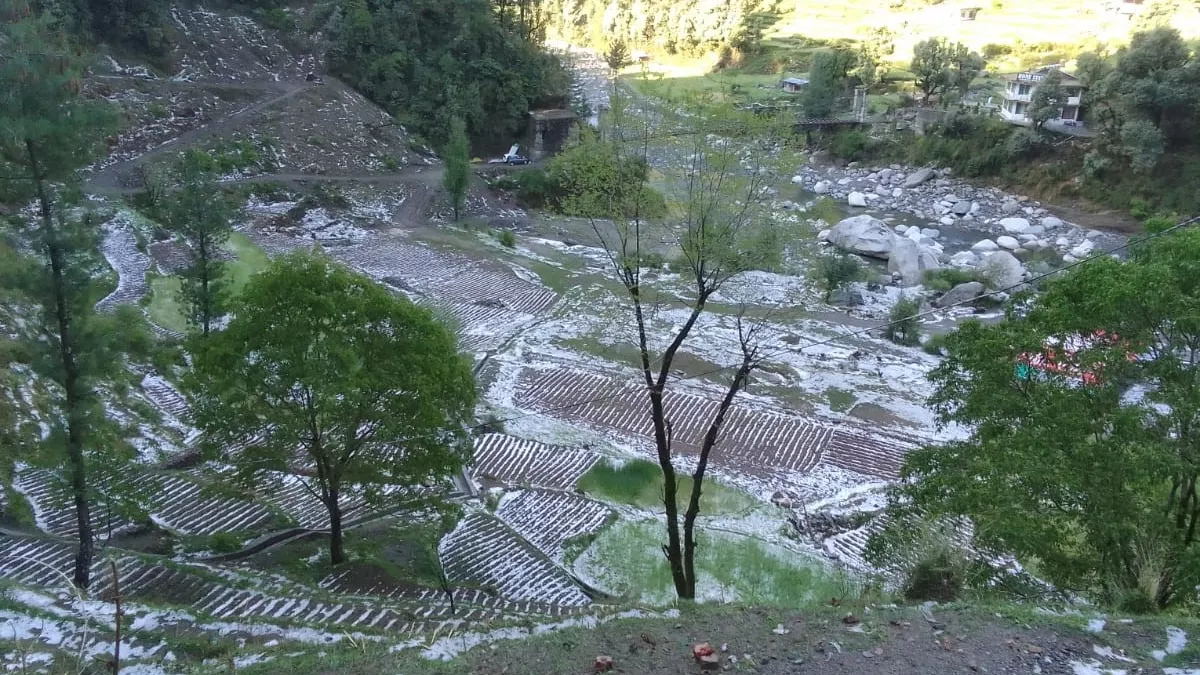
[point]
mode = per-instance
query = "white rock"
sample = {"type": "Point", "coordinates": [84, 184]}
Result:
{"type": "Point", "coordinates": [896, 192]}
{"type": "Point", "coordinates": [1062, 242]}
{"type": "Point", "coordinates": [901, 228]}
{"type": "Point", "coordinates": [1014, 225]}
{"type": "Point", "coordinates": [1007, 242]}
{"type": "Point", "coordinates": [1092, 234]}
{"type": "Point", "coordinates": [947, 220]}
{"type": "Point", "coordinates": [821, 187]}
{"type": "Point", "coordinates": [931, 232]}
{"type": "Point", "coordinates": [1036, 229]}
{"type": "Point", "coordinates": [987, 245]}
{"type": "Point", "coordinates": [1084, 249]}
{"type": "Point", "coordinates": [917, 177]}
{"type": "Point", "coordinates": [797, 179]}
{"type": "Point", "coordinates": [1026, 238]}
{"type": "Point", "coordinates": [964, 259]}
{"type": "Point", "coordinates": [856, 199]}
{"type": "Point", "coordinates": [823, 235]}
{"type": "Point", "coordinates": [1008, 207]}
{"type": "Point", "coordinates": [1068, 258]}
{"type": "Point", "coordinates": [960, 294]}
{"type": "Point", "coordinates": [1002, 269]}
{"type": "Point", "coordinates": [1050, 222]}
{"type": "Point", "coordinates": [865, 235]}
{"type": "Point", "coordinates": [909, 260]}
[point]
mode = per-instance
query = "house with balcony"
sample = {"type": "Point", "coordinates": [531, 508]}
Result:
{"type": "Point", "coordinates": [1018, 93]}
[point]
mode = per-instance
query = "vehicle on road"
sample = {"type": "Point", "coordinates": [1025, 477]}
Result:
{"type": "Point", "coordinates": [513, 156]}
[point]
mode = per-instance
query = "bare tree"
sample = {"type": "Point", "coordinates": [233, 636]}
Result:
{"type": "Point", "coordinates": [720, 230]}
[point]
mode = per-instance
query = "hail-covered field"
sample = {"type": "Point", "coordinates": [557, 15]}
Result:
{"type": "Point", "coordinates": [548, 526]}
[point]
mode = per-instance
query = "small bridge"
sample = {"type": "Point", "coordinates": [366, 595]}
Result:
{"type": "Point", "coordinates": [826, 122]}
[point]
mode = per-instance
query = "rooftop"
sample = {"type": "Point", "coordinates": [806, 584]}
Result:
{"type": "Point", "coordinates": [1037, 75]}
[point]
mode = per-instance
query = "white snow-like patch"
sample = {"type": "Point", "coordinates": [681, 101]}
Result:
{"type": "Point", "coordinates": [1094, 667]}
{"type": "Point", "coordinates": [1095, 625]}
{"type": "Point", "coordinates": [1108, 653]}
{"type": "Point", "coordinates": [1176, 641]}
{"type": "Point", "coordinates": [257, 205]}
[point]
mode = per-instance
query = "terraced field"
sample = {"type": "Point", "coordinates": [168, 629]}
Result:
{"type": "Point", "coordinates": [548, 519]}
{"type": "Point", "coordinates": [245, 597]}
{"type": "Point", "coordinates": [751, 441]}
{"type": "Point", "coordinates": [119, 247]}
{"type": "Point", "coordinates": [516, 461]}
{"type": "Point", "coordinates": [481, 551]}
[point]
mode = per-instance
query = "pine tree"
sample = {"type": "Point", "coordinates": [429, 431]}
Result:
{"type": "Point", "coordinates": [48, 132]}
{"type": "Point", "coordinates": [457, 158]}
{"type": "Point", "coordinates": [201, 214]}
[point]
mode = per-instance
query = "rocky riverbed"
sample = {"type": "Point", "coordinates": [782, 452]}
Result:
{"type": "Point", "coordinates": [965, 225]}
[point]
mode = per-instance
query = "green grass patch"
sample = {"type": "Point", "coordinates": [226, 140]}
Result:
{"type": "Point", "coordinates": [249, 259]}
{"type": "Point", "coordinates": [729, 568]}
{"type": "Point", "coordinates": [640, 483]}
{"type": "Point", "coordinates": [840, 400]}
{"type": "Point", "coordinates": [165, 308]}
{"type": "Point", "coordinates": [18, 511]}
{"type": "Point", "coordinates": [827, 209]}
{"type": "Point", "coordinates": [945, 278]}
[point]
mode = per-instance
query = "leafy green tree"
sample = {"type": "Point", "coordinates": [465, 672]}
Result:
{"type": "Point", "coordinates": [1091, 468]}
{"type": "Point", "coordinates": [427, 61]}
{"type": "Point", "coordinates": [835, 271]}
{"type": "Point", "coordinates": [826, 81]}
{"type": "Point", "coordinates": [869, 66]}
{"type": "Point", "coordinates": [1143, 102]}
{"type": "Point", "coordinates": [722, 209]}
{"type": "Point", "coordinates": [1142, 143]}
{"type": "Point", "coordinates": [329, 371]}
{"type": "Point", "coordinates": [965, 67]}
{"type": "Point", "coordinates": [592, 176]}
{"type": "Point", "coordinates": [1047, 100]}
{"type": "Point", "coordinates": [47, 133]}
{"type": "Point", "coordinates": [202, 215]}
{"type": "Point", "coordinates": [904, 326]}
{"type": "Point", "coordinates": [457, 160]}
{"type": "Point", "coordinates": [932, 63]}
{"type": "Point", "coordinates": [617, 55]}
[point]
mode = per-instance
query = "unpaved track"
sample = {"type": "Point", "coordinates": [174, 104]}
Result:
{"type": "Point", "coordinates": [113, 179]}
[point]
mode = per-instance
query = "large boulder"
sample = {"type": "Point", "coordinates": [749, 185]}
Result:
{"type": "Point", "coordinates": [985, 246]}
{"type": "Point", "coordinates": [964, 259]}
{"type": "Point", "coordinates": [1008, 242]}
{"type": "Point", "coordinates": [960, 294]}
{"type": "Point", "coordinates": [917, 177]}
{"type": "Point", "coordinates": [864, 235]}
{"type": "Point", "coordinates": [856, 198]}
{"type": "Point", "coordinates": [1002, 269]}
{"type": "Point", "coordinates": [822, 187]}
{"type": "Point", "coordinates": [910, 260]}
{"type": "Point", "coordinates": [1015, 225]}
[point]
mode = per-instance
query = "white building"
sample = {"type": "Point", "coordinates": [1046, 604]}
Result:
{"type": "Point", "coordinates": [1018, 93]}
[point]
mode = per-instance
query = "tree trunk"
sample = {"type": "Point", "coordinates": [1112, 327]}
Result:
{"type": "Point", "coordinates": [337, 552]}
{"type": "Point", "coordinates": [710, 441]}
{"type": "Point", "coordinates": [204, 270]}
{"type": "Point", "coordinates": [71, 377]}
{"type": "Point", "coordinates": [683, 587]}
